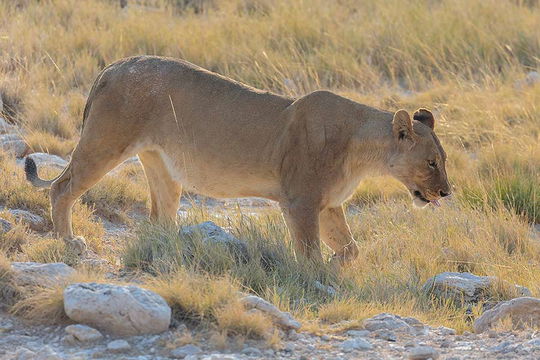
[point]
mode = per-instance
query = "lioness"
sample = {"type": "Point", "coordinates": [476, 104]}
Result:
{"type": "Point", "coordinates": [201, 131]}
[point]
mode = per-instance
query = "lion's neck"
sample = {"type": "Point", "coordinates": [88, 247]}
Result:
{"type": "Point", "coordinates": [374, 146]}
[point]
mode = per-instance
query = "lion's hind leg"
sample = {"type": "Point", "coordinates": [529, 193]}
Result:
{"type": "Point", "coordinates": [91, 160]}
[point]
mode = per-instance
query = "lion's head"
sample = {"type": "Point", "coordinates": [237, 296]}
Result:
{"type": "Point", "coordinates": [419, 162]}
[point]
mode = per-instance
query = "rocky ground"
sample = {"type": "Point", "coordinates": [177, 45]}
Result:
{"type": "Point", "coordinates": [19, 341]}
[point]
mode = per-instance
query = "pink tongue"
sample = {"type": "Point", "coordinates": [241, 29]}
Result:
{"type": "Point", "coordinates": [436, 202]}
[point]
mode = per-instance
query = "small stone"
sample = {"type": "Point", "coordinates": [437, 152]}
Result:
{"type": "Point", "coordinates": [385, 335]}
{"type": "Point", "coordinates": [34, 222]}
{"type": "Point", "coordinates": [423, 353]}
{"type": "Point", "coordinates": [252, 351]}
{"type": "Point", "coordinates": [532, 78]}
{"type": "Point", "coordinates": [5, 226]}
{"type": "Point", "coordinates": [24, 354]}
{"type": "Point", "coordinates": [359, 333]}
{"type": "Point", "coordinates": [118, 346]}
{"type": "Point", "coordinates": [534, 342]}
{"type": "Point", "coordinates": [292, 335]}
{"type": "Point", "coordinates": [289, 347]}
{"type": "Point", "coordinates": [184, 351]}
{"type": "Point", "coordinates": [269, 353]}
{"type": "Point", "coordinates": [84, 333]}
{"type": "Point", "coordinates": [446, 331]}
{"type": "Point", "coordinates": [355, 344]}
{"type": "Point", "coordinates": [325, 337]}
{"type": "Point", "coordinates": [281, 318]}
{"type": "Point", "coordinates": [392, 322]}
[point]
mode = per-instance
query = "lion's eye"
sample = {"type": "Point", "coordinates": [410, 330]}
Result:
{"type": "Point", "coordinates": [432, 164]}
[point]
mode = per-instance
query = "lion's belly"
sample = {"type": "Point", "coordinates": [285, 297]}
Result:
{"type": "Point", "coordinates": [221, 180]}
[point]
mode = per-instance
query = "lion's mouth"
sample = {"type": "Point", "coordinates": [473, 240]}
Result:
{"type": "Point", "coordinates": [421, 197]}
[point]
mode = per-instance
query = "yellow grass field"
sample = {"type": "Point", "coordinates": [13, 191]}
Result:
{"type": "Point", "coordinates": [467, 60]}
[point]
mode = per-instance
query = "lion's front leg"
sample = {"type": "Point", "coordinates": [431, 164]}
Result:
{"type": "Point", "coordinates": [335, 232]}
{"type": "Point", "coordinates": [302, 219]}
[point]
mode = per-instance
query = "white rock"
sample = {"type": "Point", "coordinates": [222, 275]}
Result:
{"type": "Point", "coordinates": [523, 312]}
{"type": "Point", "coordinates": [532, 78]}
{"type": "Point", "coordinates": [34, 222]}
{"type": "Point", "coordinates": [184, 351]}
{"type": "Point", "coordinates": [281, 318]}
{"type": "Point", "coordinates": [6, 128]}
{"type": "Point", "coordinates": [47, 160]}
{"type": "Point", "coordinates": [465, 286]}
{"type": "Point", "coordinates": [13, 144]}
{"type": "Point", "coordinates": [423, 353]}
{"type": "Point", "coordinates": [5, 226]}
{"type": "Point", "coordinates": [355, 344]}
{"type": "Point", "coordinates": [387, 322]}
{"type": "Point", "coordinates": [84, 333]}
{"type": "Point", "coordinates": [32, 274]}
{"type": "Point", "coordinates": [118, 346]}
{"type": "Point", "coordinates": [120, 310]}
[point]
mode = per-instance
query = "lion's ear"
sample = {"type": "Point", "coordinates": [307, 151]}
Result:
{"type": "Point", "coordinates": [425, 117]}
{"type": "Point", "coordinates": [402, 126]}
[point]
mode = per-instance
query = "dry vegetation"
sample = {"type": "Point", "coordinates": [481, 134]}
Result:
{"type": "Point", "coordinates": [466, 60]}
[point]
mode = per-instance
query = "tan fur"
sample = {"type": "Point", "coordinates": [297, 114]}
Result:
{"type": "Point", "coordinates": [211, 135]}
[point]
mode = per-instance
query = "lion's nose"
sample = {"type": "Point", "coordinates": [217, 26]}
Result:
{"type": "Point", "coordinates": [443, 194]}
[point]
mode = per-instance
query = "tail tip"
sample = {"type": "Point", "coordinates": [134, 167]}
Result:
{"type": "Point", "coordinates": [30, 168]}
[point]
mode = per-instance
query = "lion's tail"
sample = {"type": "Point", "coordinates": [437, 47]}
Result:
{"type": "Point", "coordinates": [30, 169]}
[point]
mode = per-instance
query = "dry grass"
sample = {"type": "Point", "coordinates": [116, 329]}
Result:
{"type": "Point", "coordinates": [466, 60]}
{"type": "Point", "coordinates": [200, 299]}
{"type": "Point", "coordinates": [45, 305]}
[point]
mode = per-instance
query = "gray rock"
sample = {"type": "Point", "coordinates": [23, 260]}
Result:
{"type": "Point", "coordinates": [38, 274]}
{"type": "Point", "coordinates": [184, 351]}
{"type": "Point", "coordinates": [360, 333]}
{"type": "Point", "coordinates": [83, 333]}
{"type": "Point", "coordinates": [464, 287]}
{"type": "Point", "coordinates": [355, 344]}
{"type": "Point", "coordinates": [213, 234]}
{"type": "Point", "coordinates": [5, 226]}
{"type": "Point", "coordinates": [47, 160]}
{"type": "Point", "coordinates": [445, 331]}
{"type": "Point", "coordinates": [524, 312]}
{"type": "Point", "coordinates": [281, 318]}
{"type": "Point", "coordinates": [252, 351]}
{"type": "Point", "coordinates": [34, 222]}
{"type": "Point", "coordinates": [423, 353]}
{"type": "Point", "coordinates": [325, 288]}
{"type": "Point", "coordinates": [385, 335]}
{"type": "Point", "coordinates": [120, 310]}
{"type": "Point", "coordinates": [395, 323]}
{"type": "Point", "coordinates": [14, 144]}
{"type": "Point", "coordinates": [118, 346]}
